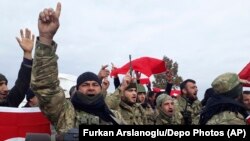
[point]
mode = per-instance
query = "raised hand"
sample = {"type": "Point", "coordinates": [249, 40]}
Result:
{"type": "Point", "coordinates": [244, 81]}
{"type": "Point", "coordinates": [113, 68]}
{"type": "Point", "coordinates": [169, 76]}
{"type": "Point", "coordinates": [104, 72]}
{"type": "Point", "coordinates": [26, 42]}
{"type": "Point", "coordinates": [138, 75]}
{"type": "Point", "coordinates": [105, 84]}
{"type": "Point", "coordinates": [48, 23]}
{"type": "Point", "coordinates": [127, 79]}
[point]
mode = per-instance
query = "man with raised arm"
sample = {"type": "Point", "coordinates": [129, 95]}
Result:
{"type": "Point", "coordinates": [14, 96]}
{"type": "Point", "coordinates": [87, 105]}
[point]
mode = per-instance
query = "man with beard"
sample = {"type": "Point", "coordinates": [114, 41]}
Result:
{"type": "Point", "coordinates": [141, 99]}
{"type": "Point", "coordinates": [132, 112]}
{"type": "Point", "coordinates": [245, 99]}
{"type": "Point", "coordinates": [167, 114]}
{"type": "Point", "coordinates": [188, 104]}
{"type": "Point", "coordinates": [14, 96]}
{"type": "Point", "coordinates": [87, 105]}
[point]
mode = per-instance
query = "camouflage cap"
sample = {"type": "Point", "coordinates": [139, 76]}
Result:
{"type": "Point", "coordinates": [225, 82]}
{"type": "Point", "coordinates": [141, 88]}
{"type": "Point", "coordinates": [162, 98]}
{"type": "Point", "coordinates": [131, 85]}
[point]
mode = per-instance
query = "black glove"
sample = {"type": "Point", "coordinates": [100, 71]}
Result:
{"type": "Point", "coordinates": [187, 117]}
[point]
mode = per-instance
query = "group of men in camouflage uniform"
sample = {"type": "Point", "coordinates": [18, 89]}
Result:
{"type": "Point", "coordinates": [89, 106]}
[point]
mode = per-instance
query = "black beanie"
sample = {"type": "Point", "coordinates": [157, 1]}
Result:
{"type": "Point", "coordinates": [87, 76]}
{"type": "Point", "coordinates": [29, 94]}
{"type": "Point", "coordinates": [3, 78]}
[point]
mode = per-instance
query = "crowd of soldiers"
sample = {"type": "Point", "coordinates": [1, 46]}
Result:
{"type": "Point", "coordinates": [130, 104]}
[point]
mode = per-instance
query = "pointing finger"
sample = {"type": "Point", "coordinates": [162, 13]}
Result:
{"type": "Point", "coordinates": [58, 9]}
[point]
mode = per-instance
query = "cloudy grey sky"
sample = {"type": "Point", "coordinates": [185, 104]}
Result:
{"type": "Point", "coordinates": [206, 38]}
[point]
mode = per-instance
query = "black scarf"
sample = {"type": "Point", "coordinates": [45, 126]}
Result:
{"type": "Point", "coordinates": [3, 102]}
{"type": "Point", "coordinates": [93, 105]}
{"type": "Point", "coordinates": [219, 103]}
{"type": "Point", "coordinates": [144, 104]}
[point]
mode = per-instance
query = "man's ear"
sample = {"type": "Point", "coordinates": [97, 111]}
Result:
{"type": "Point", "coordinates": [184, 91]}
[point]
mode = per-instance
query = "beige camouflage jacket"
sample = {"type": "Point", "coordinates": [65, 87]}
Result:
{"type": "Point", "coordinates": [133, 115]}
{"type": "Point", "coordinates": [195, 109]}
{"type": "Point", "coordinates": [163, 119]}
{"type": "Point", "coordinates": [52, 101]}
{"type": "Point", "coordinates": [227, 118]}
{"type": "Point", "coordinates": [150, 114]}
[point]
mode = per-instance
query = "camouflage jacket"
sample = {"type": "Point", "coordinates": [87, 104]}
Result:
{"type": "Point", "coordinates": [113, 99]}
{"type": "Point", "coordinates": [150, 113]}
{"type": "Point", "coordinates": [223, 110]}
{"type": "Point", "coordinates": [195, 108]}
{"type": "Point", "coordinates": [163, 119]}
{"type": "Point", "coordinates": [52, 101]}
{"type": "Point", "coordinates": [133, 115]}
{"type": "Point", "coordinates": [227, 118]}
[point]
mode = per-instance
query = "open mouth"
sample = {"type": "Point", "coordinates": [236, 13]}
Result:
{"type": "Point", "coordinates": [170, 112]}
{"type": "Point", "coordinates": [134, 97]}
{"type": "Point", "coordinates": [91, 95]}
{"type": "Point", "coordinates": [195, 94]}
{"type": "Point", "coordinates": [3, 95]}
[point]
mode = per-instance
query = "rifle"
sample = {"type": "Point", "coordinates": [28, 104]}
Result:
{"type": "Point", "coordinates": [186, 115]}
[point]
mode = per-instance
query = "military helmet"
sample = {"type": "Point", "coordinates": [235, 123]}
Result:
{"type": "Point", "coordinates": [141, 88]}
{"type": "Point", "coordinates": [227, 84]}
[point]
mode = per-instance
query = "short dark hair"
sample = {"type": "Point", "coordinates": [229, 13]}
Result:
{"type": "Point", "coordinates": [184, 83]}
{"type": "Point", "coordinates": [246, 92]}
{"type": "Point", "coordinates": [3, 78]}
{"type": "Point", "coordinates": [72, 90]}
{"type": "Point", "coordinates": [150, 94]}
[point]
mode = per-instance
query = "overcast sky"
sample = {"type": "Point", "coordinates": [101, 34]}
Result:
{"type": "Point", "coordinates": [206, 38]}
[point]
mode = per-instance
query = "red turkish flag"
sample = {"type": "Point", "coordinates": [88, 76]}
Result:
{"type": "Point", "coordinates": [145, 65]}
{"type": "Point", "coordinates": [144, 81]}
{"type": "Point", "coordinates": [245, 74]}
{"type": "Point", "coordinates": [157, 90]}
{"type": "Point", "coordinates": [175, 93]}
{"type": "Point", "coordinates": [16, 122]}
